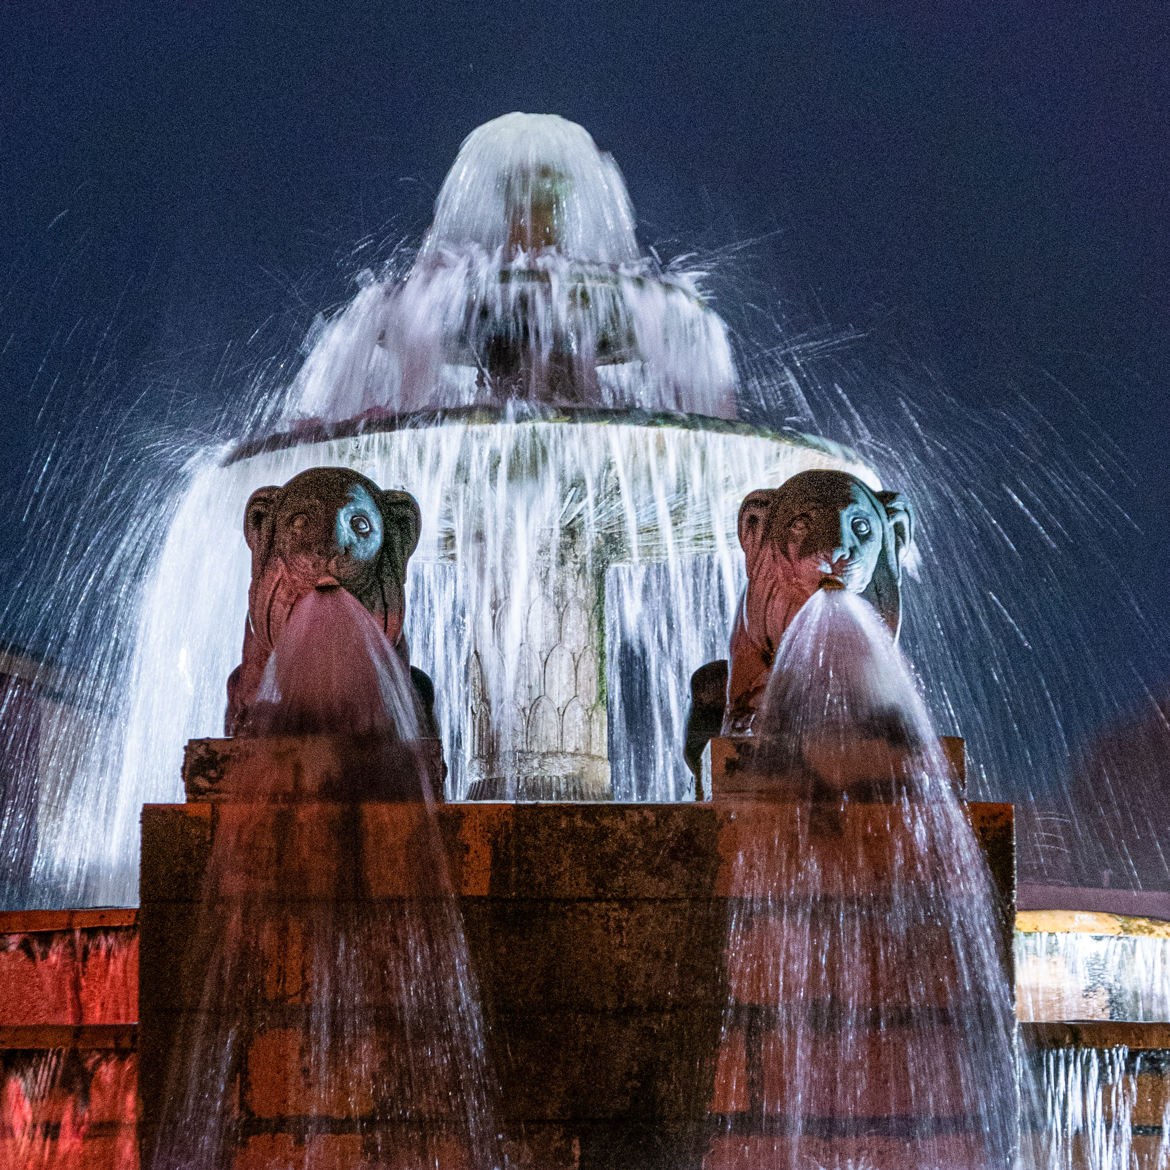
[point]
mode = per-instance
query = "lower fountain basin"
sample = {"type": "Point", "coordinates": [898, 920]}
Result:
{"type": "Point", "coordinates": [597, 934]}
{"type": "Point", "coordinates": [68, 1034]}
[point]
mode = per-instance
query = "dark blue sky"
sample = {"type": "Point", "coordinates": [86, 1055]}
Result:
{"type": "Point", "coordinates": [980, 191]}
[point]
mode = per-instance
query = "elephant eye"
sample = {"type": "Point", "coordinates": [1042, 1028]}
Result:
{"type": "Point", "coordinates": [862, 527]}
{"type": "Point", "coordinates": [801, 524]}
{"type": "Point", "coordinates": [361, 525]}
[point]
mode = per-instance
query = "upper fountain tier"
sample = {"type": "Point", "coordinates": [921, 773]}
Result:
{"type": "Point", "coordinates": [528, 288]}
{"type": "Point", "coordinates": [527, 182]}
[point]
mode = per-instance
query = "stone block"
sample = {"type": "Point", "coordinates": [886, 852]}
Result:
{"type": "Point", "coordinates": [651, 1067]}
{"type": "Point", "coordinates": [113, 1091]}
{"type": "Point", "coordinates": [35, 990]}
{"type": "Point", "coordinates": [618, 1145]}
{"type": "Point", "coordinates": [404, 1149]}
{"type": "Point", "coordinates": [599, 851]}
{"type": "Point", "coordinates": [274, 853]}
{"type": "Point", "coordinates": [735, 767]}
{"type": "Point", "coordinates": [326, 1151]}
{"type": "Point", "coordinates": [995, 830]}
{"type": "Point", "coordinates": [1140, 1098]}
{"type": "Point", "coordinates": [1150, 1150]}
{"type": "Point", "coordinates": [781, 961]}
{"type": "Point", "coordinates": [1101, 1034]}
{"type": "Point", "coordinates": [626, 955]}
{"type": "Point", "coordinates": [869, 1078]}
{"type": "Point", "coordinates": [283, 1078]}
{"type": "Point", "coordinates": [478, 838]}
{"type": "Point", "coordinates": [286, 961]}
{"type": "Point", "coordinates": [751, 1152]}
{"type": "Point", "coordinates": [787, 850]}
{"type": "Point", "coordinates": [376, 1068]}
{"type": "Point", "coordinates": [175, 949]}
{"type": "Point", "coordinates": [732, 1092]}
{"type": "Point", "coordinates": [405, 850]}
{"type": "Point", "coordinates": [68, 1090]}
{"type": "Point", "coordinates": [312, 767]}
{"type": "Point", "coordinates": [1151, 1097]}
{"type": "Point", "coordinates": [542, 1146]}
{"type": "Point", "coordinates": [176, 844]}
{"type": "Point", "coordinates": [1143, 1151]}
{"type": "Point", "coordinates": [565, 851]}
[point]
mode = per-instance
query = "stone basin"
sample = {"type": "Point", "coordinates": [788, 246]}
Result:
{"type": "Point", "coordinates": [597, 933]}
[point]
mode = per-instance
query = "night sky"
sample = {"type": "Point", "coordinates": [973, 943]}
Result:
{"type": "Point", "coordinates": [976, 192]}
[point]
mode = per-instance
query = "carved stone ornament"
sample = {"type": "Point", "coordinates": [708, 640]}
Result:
{"type": "Point", "coordinates": [326, 528]}
{"type": "Point", "coordinates": [819, 527]}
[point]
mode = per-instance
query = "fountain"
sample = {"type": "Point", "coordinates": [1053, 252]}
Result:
{"type": "Point", "coordinates": [562, 407]}
{"type": "Point", "coordinates": [566, 517]}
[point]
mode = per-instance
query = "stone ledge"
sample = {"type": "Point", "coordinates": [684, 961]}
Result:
{"type": "Point", "coordinates": [568, 852]}
{"type": "Point", "coordinates": [79, 1038]}
{"type": "Point", "coordinates": [53, 921]}
{"type": "Point", "coordinates": [1099, 1034]}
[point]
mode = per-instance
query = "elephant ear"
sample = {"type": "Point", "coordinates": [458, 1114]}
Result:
{"type": "Point", "coordinates": [753, 521]}
{"type": "Point", "coordinates": [884, 591]}
{"type": "Point", "coordinates": [260, 524]}
{"type": "Point", "coordinates": [900, 515]}
{"type": "Point", "coordinates": [401, 524]}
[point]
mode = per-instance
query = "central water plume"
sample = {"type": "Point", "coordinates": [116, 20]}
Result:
{"type": "Point", "coordinates": [528, 288]}
{"type": "Point", "coordinates": [867, 962]}
{"type": "Point", "coordinates": [526, 182]}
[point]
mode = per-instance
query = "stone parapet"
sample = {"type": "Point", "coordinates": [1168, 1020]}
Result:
{"type": "Point", "coordinates": [597, 932]}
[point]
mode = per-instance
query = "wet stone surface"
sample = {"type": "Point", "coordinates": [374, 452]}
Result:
{"type": "Point", "coordinates": [596, 932]}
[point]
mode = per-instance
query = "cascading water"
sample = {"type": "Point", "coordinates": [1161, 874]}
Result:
{"type": "Point", "coordinates": [320, 1001]}
{"type": "Point", "coordinates": [335, 671]}
{"type": "Point", "coordinates": [578, 488]}
{"type": "Point", "coordinates": [1092, 969]}
{"type": "Point", "coordinates": [66, 1109]}
{"type": "Point", "coordinates": [866, 960]}
{"type": "Point", "coordinates": [1093, 1110]}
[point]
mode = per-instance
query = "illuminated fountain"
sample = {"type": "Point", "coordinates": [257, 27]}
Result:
{"type": "Point", "coordinates": [563, 408]}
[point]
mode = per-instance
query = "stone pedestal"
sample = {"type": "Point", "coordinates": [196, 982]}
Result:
{"type": "Point", "coordinates": [597, 932]}
{"type": "Point", "coordinates": [853, 1034]}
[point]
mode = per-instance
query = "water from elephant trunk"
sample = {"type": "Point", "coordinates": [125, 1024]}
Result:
{"type": "Point", "coordinates": [334, 670]}
{"type": "Point", "coordinates": [867, 959]}
{"type": "Point", "coordinates": [312, 1002]}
